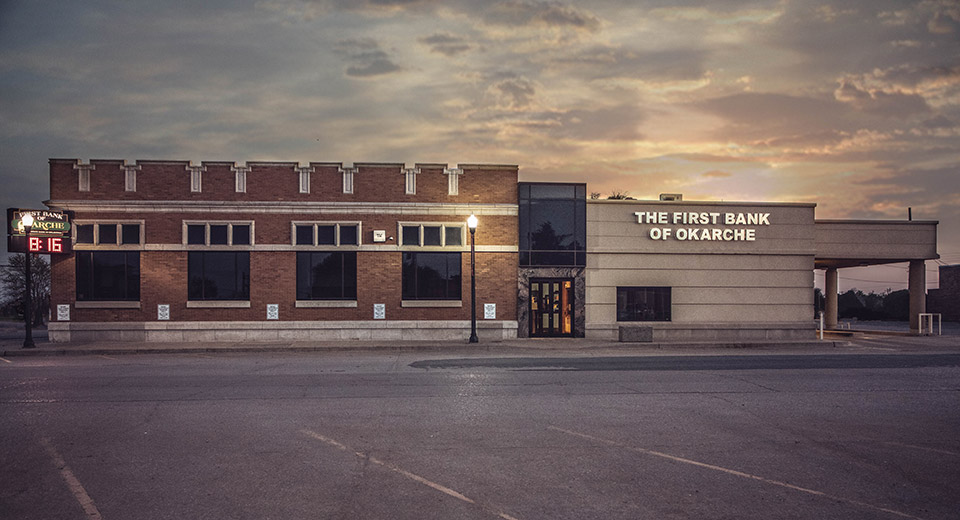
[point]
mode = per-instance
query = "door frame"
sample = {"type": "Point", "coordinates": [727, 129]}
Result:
{"type": "Point", "coordinates": [571, 303]}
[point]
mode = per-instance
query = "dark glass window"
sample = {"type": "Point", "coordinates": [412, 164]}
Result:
{"type": "Point", "coordinates": [195, 234]}
{"type": "Point", "coordinates": [130, 234]}
{"type": "Point", "coordinates": [453, 237]}
{"type": "Point", "coordinates": [411, 235]}
{"type": "Point", "coordinates": [643, 303]}
{"type": "Point", "coordinates": [108, 234]}
{"type": "Point", "coordinates": [326, 235]}
{"type": "Point", "coordinates": [218, 275]}
{"type": "Point", "coordinates": [327, 275]}
{"type": "Point", "coordinates": [218, 235]}
{"type": "Point", "coordinates": [431, 235]}
{"type": "Point", "coordinates": [108, 275]}
{"type": "Point", "coordinates": [348, 235]}
{"type": "Point", "coordinates": [85, 234]}
{"type": "Point", "coordinates": [431, 276]}
{"type": "Point", "coordinates": [553, 227]}
{"type": "Point", "coordinates": [305, 235]}
{"type": "Point", "coordinates": [241, 234]}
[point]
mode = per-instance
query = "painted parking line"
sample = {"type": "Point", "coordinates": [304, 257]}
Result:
{"type": "Point", "coordinates": [75, 486]}
{"type": "Point", "coordinates": [733, 472]}
{"type": "Point", "coordinates": [412, 476]}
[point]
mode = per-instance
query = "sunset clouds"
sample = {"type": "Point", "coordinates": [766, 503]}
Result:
{"type": "Point", "coordinates": [854, 104]}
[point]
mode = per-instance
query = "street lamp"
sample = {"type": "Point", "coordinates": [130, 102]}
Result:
{"type": "Point", "coordinates": [27, 221]}
{"type": "Point", "coordinates": [472, 224]}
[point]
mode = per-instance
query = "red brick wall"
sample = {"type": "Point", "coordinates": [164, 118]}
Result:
{"type": "Point", "coordinates": [273, 273]}
{"type": "Point", "coordinates": [280, 181]}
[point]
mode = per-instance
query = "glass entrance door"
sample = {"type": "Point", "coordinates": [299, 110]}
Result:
{"type": "Point", "coordinates": [551, 307]}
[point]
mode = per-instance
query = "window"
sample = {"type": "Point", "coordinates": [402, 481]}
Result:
{"type": "Point", "coordinates": [218, 275]}
{"type": "Point", "coordinates": [218, 233]}
{"type": "Point", "coordinates": [643, 303]}
{"type": "Point", "coordinates": [108, 275]}
{"type": "Point", "coordinates": [431, 276]}
{"type": "Point", "coordinates": [115, 233]}
{"type": "Point", "coordinates": [326, 275]}
{"type": "Point", "coordinates": [326, 233]}
{"type": "Point", "coordinates": [552, 224]}
{"type": "Point", "coordinates": [432, 235]}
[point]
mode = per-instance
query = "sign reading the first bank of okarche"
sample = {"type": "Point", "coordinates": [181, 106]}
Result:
{"type": "Point", "coordinates": [50, 233]}
{"type": "Point", "coordinates": [702, 225]}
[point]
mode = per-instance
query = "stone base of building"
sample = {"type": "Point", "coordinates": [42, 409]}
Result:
{"type": "Point", "coordinates": [650, 332]}
{"type": "Point", "coordinates": [242, 331]}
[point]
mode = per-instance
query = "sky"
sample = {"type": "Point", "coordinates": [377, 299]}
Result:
{"type": "Point", "coordinates": [853, 105]}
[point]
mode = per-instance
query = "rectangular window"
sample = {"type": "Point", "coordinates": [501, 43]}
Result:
{"type": "Point", "coordinates": [305, 235]}
{"type": "Point", "coordinates": [218, 233]}
{"type": "Point", "coordinates": [432, 235]}
{"type": "Point", "coordinates": [326, 233]}
{"type": "Point", "coordinates": [218, 275]}
{"type": "Point", "coordinates": [431, 276]}
{"type": "Point", "coordinates": [326, 275]}
{"type": "Point", "coordinates": [130, 234]}
{"type": "Point", "coordinates": [552, 224]}
{"type": "Point", "coordinates": [85, 234]}
{"type": "Point", "coordinates": [110, 233]}
{"type": "Point", "coordinates": [108, 275]}
{"type": "Point", "coordinates": [643, 303]}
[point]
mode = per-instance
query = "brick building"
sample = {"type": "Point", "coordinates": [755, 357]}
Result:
{"type": "Point", "coordinates": [174, 251]}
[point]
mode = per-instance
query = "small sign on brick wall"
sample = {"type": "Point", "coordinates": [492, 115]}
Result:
{"type": "Point", "coordinates": [273, 311]}
{"type": "Point", "coordinates": [379, 311]}
{"type": "Point", "coordinates": [63, 312]}
{"type": "Point", "coordinates": [163, 312]}
{"type": "Point", "coordinates": [489, 311]}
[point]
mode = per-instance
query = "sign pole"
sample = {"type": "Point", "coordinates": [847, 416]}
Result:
{"type": "Point", "coordinates": [27, 306]}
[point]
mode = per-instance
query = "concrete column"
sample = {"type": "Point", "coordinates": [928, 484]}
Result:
{"type": "Point", "coordinates": [918, 293]}
{"type": "Point", "coordinates": [830, 299]}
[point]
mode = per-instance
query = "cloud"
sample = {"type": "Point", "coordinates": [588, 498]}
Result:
{"type": "Point", "coordinates": [514, 93]}
{"type": "Point", "coordinates": [608, 61]}
{"type": "Point", "coordinates": [310, 10]}
{"type": "Point", "coordinates": [716, 174]}
{"type": "Point", "coordinates": [366, 58]}
{"type": "Point", "coordinates": [518, 13]}
{"type": "Point", "coordinates": [447, 44]}
{"type": "Point", "coordinates": [891, 104]}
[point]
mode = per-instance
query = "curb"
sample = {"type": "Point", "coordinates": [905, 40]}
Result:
{"type": "Point", "coordinates": [432, 347]}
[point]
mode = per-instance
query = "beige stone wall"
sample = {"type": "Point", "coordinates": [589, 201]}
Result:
{"type": "Point", "coordinates": [738, 287]}
{"type": "Point", "coordinates": [874, 241]}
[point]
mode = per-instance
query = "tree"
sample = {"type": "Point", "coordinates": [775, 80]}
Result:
{"type": "Point", "coordinates": [13, 278]}
{"type": "Point", "coordinates": [618, 194]}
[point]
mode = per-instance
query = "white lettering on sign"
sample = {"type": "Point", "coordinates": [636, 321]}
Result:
{"type": "Point", "coordinates": [703, 218]}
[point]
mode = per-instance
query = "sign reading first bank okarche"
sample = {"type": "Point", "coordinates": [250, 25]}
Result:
{"type": "Point", "coordinates": [702, 225]}
{"type": "Point", "coordinates": [50, 233]}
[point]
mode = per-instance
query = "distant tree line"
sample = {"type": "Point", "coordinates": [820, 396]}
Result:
{"type": "Point", "coordinates": [888, 305]}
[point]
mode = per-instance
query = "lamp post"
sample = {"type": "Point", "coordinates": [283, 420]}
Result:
{"type": "Point", "coordinates": [27, 307]}
{"type": "Point", "coordinates": [472, 224]}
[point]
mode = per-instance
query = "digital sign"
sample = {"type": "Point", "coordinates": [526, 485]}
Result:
{"type": "Point", "coordinates": [50, 233]}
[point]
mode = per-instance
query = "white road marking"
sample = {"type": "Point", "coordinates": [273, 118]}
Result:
{"type": "Point", "coordinates": [412, 476]}
{"type": "Point", "coordinates": [732, 472]}
{"type": "Point", "coordinates": [5, 360]}
{"type": "Point", "coordinates": [75, 486]}
{"type": "Point", "coordinates": [923, 448]}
